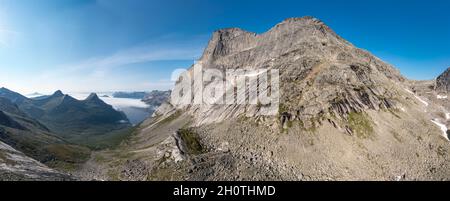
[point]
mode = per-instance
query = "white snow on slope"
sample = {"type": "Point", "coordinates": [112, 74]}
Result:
{"type": "Point", "coordinates": [417, 97]}
{"type": "Point", "coordinates": [442, 127]}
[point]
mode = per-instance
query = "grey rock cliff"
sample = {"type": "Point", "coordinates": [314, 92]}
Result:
{"type": "Point", "coordinates": [319, 71]}
{"type": "Point", "coordinates": [443, 82]}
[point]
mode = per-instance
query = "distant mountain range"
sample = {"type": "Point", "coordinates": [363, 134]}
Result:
{"type": "Point", "coordinates": [133, 95]}
{"type": "Point", "coordinates": [30, 137]}
{"type": "Point", "coordinates": [57, 130]}
{"type": "Point", "coordinates": [77, 121]}
{"type": "Point", "coordinates": [154, 98]}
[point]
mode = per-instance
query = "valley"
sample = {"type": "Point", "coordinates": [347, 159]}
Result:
{"type": "Point", "coordinates": [58, 130]}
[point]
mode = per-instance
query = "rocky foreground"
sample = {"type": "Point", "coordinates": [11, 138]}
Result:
{"type": "Point", "coordinates": [16, 166]}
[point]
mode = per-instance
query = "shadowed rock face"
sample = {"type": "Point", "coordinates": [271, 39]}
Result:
{"type": "Point", "coordinates": [443, 82]}
{"type": "Point", "coordinates": [5, 120]}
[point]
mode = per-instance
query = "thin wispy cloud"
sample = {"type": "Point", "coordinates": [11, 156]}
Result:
{"type": "Point", "coordinates": [101, 65]}
{"type": "Point", "coordinates": [96, 73]}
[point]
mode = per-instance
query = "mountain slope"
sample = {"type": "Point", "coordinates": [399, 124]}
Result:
{"type": "Point", "coordinates": [344, 115]}
{"type": "Point", "coordinates": [35, 140]}
{"type": "Point", "coordinates": [15, 166]}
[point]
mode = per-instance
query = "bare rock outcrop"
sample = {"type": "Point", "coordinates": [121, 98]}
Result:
{"type": "Point", "coordinates": [320, 73]}
{"type": "Point", "coordinates": [443, 82]}
{"type": "Point", "coordinates": [16, 166]}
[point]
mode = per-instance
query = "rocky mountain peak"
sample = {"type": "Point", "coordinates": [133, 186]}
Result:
{"type": "Point", "coordinates": [92, 96]}
{"type": "Point", "coordinates": [443, 82]}
{"type": "Point", "coordinates": [320, 72]}
{"type": "Point", "coordinates": [302, 21]}
{"type": "Point", "coordinates": [58, 93]}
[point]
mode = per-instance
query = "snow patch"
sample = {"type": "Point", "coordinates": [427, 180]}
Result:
{"type": "Point", "coordinates": [441, 97]}
{"type": "Point", "coordinates": [442, 127]}
{"type": "Point", "coordinates": [417, 97]}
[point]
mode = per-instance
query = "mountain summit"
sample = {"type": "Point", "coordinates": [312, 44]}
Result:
{"type": "Point", "coordinates": [344, 115]}
{"type": "Point", "coordinates": [58, 93]}
{"type": "Point", "coordinates": [320, 73]}
{"type": "Point", "coordinates": [93, 98]}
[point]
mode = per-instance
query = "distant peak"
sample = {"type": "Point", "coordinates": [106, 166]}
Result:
{"type": "Point", "coordinates": [93, 97]}
{"type": "Point", "coordinates": [58, 93]}
{"type": "Point", "coordinates": [4, 89]}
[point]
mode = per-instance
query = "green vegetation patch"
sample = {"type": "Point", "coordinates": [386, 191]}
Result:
{"type": "Point", "coordinates": [69, 153]}
{"type": "Point", "coordinates": [170, 118]}
{"type": "Point", "coordinates": [67, 157]}
{"type": "Point", "coordinates": [192, 142]}
{"type": "Point", "coordinates": [361, 124]}
{"type": "Point", "coordinates": [107, 140]}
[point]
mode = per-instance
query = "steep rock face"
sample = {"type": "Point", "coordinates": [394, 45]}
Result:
{"type": "Point", "coordinates": [443, 82]}
{"type": "Point", "coordinates": [319, 71]}
{"type": "Point", "coordinates": [5, 120]}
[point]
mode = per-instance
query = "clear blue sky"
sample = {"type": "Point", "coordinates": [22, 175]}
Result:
{"type": "Point", "coordinates": [104, 45]}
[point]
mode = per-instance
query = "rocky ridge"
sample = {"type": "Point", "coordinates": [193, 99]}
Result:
{"type": "Point", "coordinates": [344, 115]}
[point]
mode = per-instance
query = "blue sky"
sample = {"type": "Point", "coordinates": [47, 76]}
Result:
{"type": "Point", "coordinates": [107, 45]}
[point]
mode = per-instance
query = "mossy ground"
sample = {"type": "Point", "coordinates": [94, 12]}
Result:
{"type": "Point", "coordinates": [361, 124]}
{"type": "Point", "coordinates": [191, 140]}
